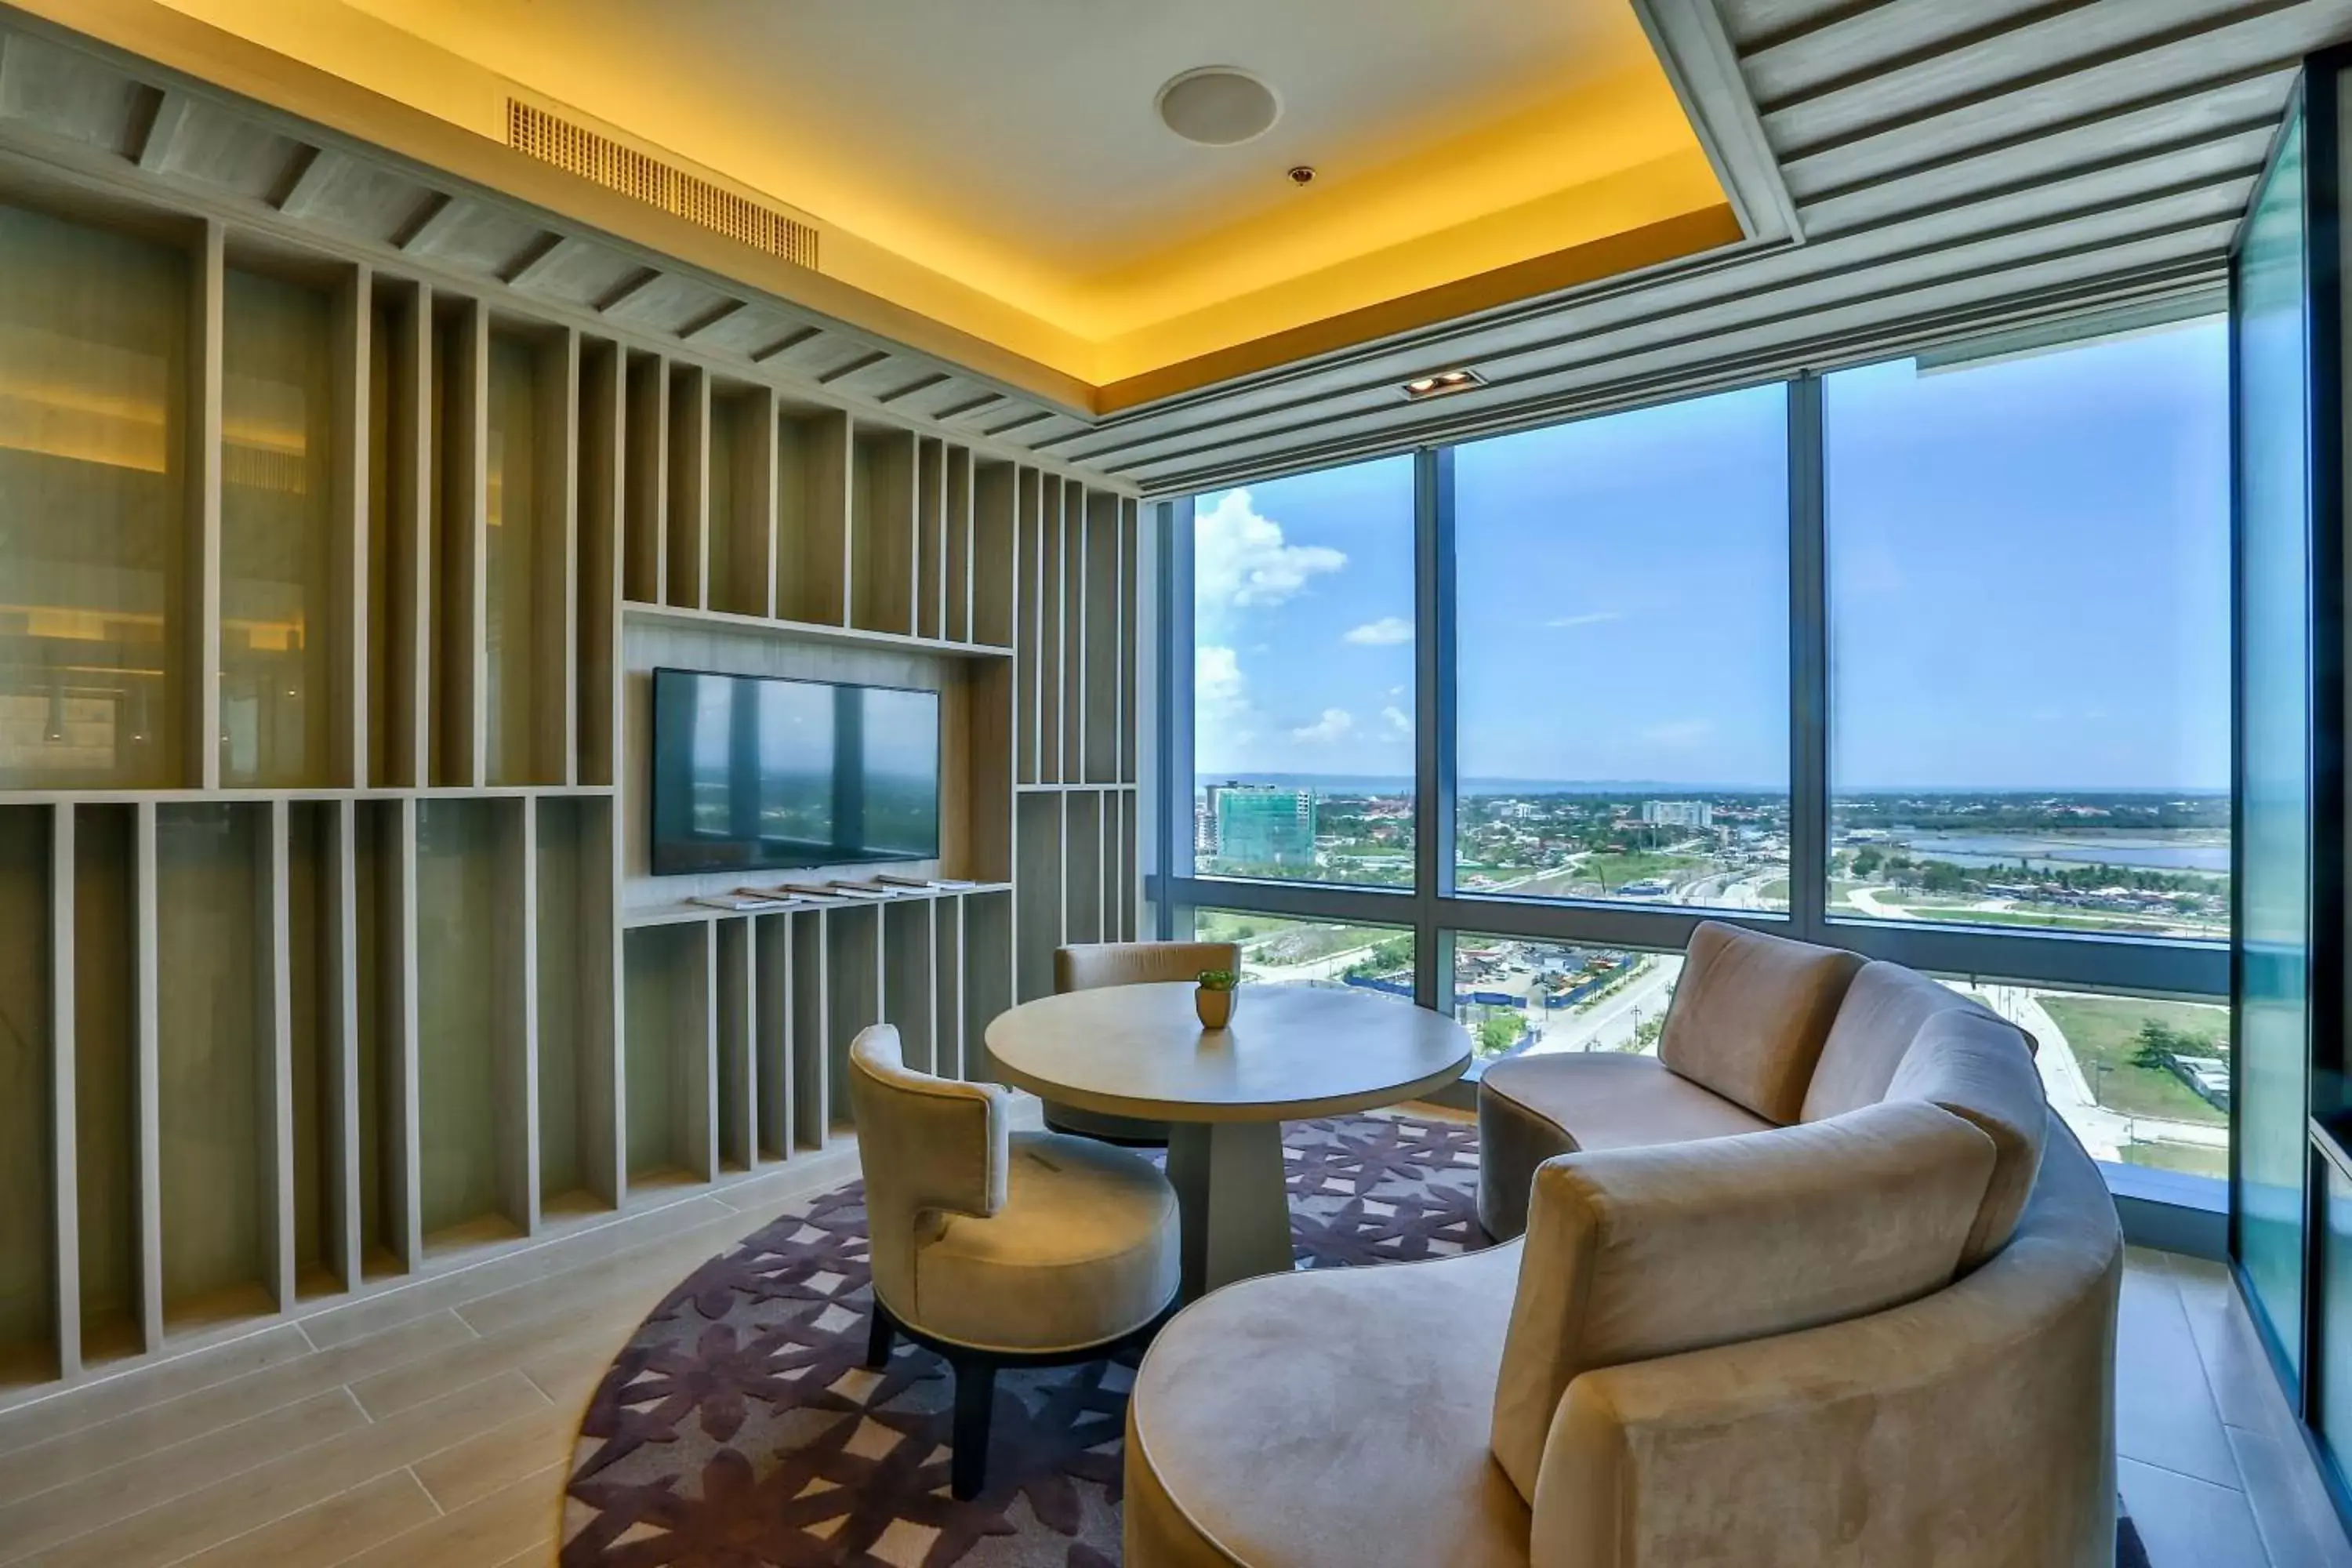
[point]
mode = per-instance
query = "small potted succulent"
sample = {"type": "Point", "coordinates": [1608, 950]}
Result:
{"type": "Point", "coordinates": [1213, 998]}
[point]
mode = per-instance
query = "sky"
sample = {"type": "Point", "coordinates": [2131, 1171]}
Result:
{"type": "Point", "coordinates": [2028, 570]}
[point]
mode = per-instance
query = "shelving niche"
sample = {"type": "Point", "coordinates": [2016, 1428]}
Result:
{"type": "Point", "coordinates": [335, 957]}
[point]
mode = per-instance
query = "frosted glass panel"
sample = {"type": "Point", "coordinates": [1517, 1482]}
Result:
{"type": "Point", "coordinates": [277, 512]}
{"type": "Point", "coordinates": [2274, 718]}
{"type": "Point", "coordinates": [93, 339]}
{"type": "Point", "coordinates": [509, 554]}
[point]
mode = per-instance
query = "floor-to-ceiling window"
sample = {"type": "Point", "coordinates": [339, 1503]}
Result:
{"type": "Point", "coordinates": [1929, 656]}
{"type": "Point", "coordinates": [1302, 665]}
{"type": "Point", "coordinates": [2029, 613]}
{"type": "Point", "coordinates": [1621, 657]}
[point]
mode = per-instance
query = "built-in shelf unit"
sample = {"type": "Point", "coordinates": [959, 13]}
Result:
{"type": "Point", "coordinates": [328, 593]}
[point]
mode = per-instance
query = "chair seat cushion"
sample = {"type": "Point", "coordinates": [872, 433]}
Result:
{"type": "Point", "coordinates": [1330, 1419]}
{"type": "Point", "coordinates": [1083, 1252]}
{"type": "Point", "coordinates": [1531, 1108]}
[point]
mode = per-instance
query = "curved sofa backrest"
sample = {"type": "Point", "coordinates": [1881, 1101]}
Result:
{"type": "Point", "coordinates": [1882, 1011]}
{"type": "Point", "coordinates": [1643, 1252]}
{"type": "Point", "coordinates": [1972, 1426]}
{"type": "Point", "coordinates": [1976, 1065]}
{"type": "Point", "coordinates": [1750, 1015]}
{"type": "Point", "coordinates": [1900, 1035]}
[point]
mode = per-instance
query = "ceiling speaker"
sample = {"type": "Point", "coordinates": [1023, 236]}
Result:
{"type": "Point", "coordinates": [1218, 106]}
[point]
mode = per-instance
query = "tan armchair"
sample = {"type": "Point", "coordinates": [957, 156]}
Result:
{"type": "Point", "coordinates": [1084, 966]}
{"type": "Point", "coordinates": [995, 1247]}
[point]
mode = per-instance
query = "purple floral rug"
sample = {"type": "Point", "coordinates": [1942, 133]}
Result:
{"type": "Point", "coordinates": [739, 1428]}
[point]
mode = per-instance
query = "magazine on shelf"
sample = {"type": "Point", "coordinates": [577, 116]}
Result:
{"type": "Point", "coordinates": [741, 900]}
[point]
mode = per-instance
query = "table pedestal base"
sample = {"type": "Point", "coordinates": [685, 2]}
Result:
{"type": "Point", "coordinates": [1234, 1203]}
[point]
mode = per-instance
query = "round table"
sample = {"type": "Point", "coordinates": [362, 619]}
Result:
{"type": "Point", "coordinates": [1292, 1051]}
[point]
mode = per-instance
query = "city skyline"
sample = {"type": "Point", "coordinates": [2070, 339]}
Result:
{"type": "Point", "coordinates": [2028, 574]}
{"type": "Point", "coordinates": [1403, 784]}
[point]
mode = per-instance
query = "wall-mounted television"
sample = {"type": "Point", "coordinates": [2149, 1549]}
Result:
{"type": "Point", "coordinates": [752, 773]}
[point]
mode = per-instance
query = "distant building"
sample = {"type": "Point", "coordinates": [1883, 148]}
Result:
{"type": "Point", "coordinates": [1258, 825]}
{"type": "Point", "coordinates": [1678, 812]}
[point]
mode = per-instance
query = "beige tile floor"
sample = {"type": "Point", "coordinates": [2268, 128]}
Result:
{"type": "Point", "coordinates": [2212, 1467]}
{"type": "Point", "coordinates": [431, 1425]}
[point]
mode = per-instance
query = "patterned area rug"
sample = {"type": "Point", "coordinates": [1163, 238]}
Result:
{"type": "Point", "coordinates": [739, 1428]}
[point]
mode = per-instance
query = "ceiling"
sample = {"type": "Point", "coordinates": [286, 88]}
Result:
{"type": "Point", "coordinates": [1905, 172]}
{"type": "Point", "coordinates": [1948, 170]}
{"type": "Point", "coordinates": [1011, 149]}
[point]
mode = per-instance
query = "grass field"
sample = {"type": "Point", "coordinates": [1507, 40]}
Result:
{"type": "Point", "coordinates": [2104, 1032]}
{"type": "Point", "coordinates": [2190, 1159]}
{"type": "Point", "coordinates": [1269, 939]}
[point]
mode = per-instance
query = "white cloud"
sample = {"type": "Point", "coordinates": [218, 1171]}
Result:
{"type": "Point", "coordinates": [1386, 631]}
{"type": "Point", "coordinates": [1680, 732]}
{"type": "Point", "coordinates": [1590, 618]}
{"type": "Point", "coordinates": [1336, 724]}
{"type": "Point", "coordinates": [1221, 701]}
{"type": "Point", "coordinates": [1217, 680]}
{"type": "Point", "coordinates": [1399, 721]}
{"type": "Point", "coordinates": [1241, 559]}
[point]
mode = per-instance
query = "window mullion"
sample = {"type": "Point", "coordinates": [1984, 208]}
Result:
{"type": "Point", "coordinates": [1433, 748]}
{"type": "Point", "coordinates": [1808, 665]}
{"type": "Point", "coordinates": [1174, 782]}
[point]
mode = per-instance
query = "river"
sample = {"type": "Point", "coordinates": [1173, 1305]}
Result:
{"type": "Point", "coordinates": [2192, 850]}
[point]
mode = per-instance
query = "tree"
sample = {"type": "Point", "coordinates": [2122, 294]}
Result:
{"type": "Point", "coordinates": [1498, 1032]}
{"type": "Point", "coordinates": [2159, 1043]}
{"type": "Point", "coordinates": [1866, 861]}
{"type": "Point", "coordinates": [1943, 876]}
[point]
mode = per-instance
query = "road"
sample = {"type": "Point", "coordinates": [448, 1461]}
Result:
{"type": "Point", "coordinates": [1610, 1023]}
{"type": "Point", "coordinates": [2103, 1131]}
{"type": "Point", "coordinates": [1329, 967]}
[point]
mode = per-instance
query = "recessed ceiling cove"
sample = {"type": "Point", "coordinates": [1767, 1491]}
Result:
{"type": "Point", "coordinates": [1105, 188]}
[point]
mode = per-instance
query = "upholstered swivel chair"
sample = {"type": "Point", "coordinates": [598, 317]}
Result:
{"type": "Point", "coordinates": [995, 1247]}
{"type": "Point", "coordinates": [1087, 965]}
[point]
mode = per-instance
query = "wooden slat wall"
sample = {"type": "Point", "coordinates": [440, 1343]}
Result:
{"type": "Point", "coordinates": [843, 531]}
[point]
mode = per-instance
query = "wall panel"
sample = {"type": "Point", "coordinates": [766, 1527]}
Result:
{"type": "Point", "coordinates": [355, 968]}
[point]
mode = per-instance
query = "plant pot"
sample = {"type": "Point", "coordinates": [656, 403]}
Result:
{"type": "Point", "coordinates": [1215, 1007]}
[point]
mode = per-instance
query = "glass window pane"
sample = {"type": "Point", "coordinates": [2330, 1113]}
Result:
{"type": "Point", "coordinates": [1303, 676]}
{"type": "Point", "coordinates": [1519, 997]}
{"type": "Point", "coordinates": [2276, 577]}
{"type": "Point", "coordinates": [1622, 660]}
{"type": "Point", "coordinates": [1279, 951]}
{"type": "Point", "coordinates": [2028, 597]}
{"type": "Point", "coordinates": [2142, 1080]}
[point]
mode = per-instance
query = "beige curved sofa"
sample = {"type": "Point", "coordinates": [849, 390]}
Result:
{"type": "Point", "coordinates": [1881, 1336]}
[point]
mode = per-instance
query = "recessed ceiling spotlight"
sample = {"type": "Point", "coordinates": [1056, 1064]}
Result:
{"type": "Point", "coordinates": [1218, 106]}
{"type": "Point", "coordinates": [1441, 383]}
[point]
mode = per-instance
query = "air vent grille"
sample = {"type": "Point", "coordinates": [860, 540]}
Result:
{"type": "Point", "coordinates": [551, 139]}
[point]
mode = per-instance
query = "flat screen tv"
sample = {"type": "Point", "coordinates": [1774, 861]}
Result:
{"type": "Point", "coordinates": [751, 772]}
